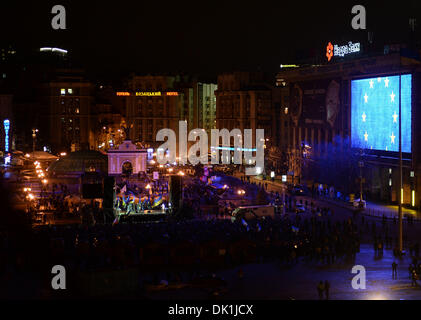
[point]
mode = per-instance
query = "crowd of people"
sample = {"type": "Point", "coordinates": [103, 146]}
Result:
{"type": "Point", "coordinates": [194, 245]}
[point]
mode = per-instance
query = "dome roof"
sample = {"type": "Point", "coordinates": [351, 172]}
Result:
{"type": "Point", "coordinates": [80, 161]}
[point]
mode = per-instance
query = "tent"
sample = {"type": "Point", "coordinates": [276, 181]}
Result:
{"type": "Point", "coordinates": [42, 156]}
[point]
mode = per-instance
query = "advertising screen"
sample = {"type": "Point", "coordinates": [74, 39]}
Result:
{"type": "Point", "coordinates": [375, 113]}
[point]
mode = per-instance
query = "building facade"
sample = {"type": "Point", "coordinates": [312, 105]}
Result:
{"type": "Point", "coordinates": [245, 100]}
{"type": "Point", "coordinates": [319, 143]}
{"type": "Point", "coordinates": [157, 102]}
{"type": "Point", "coordinates": [69, 102]}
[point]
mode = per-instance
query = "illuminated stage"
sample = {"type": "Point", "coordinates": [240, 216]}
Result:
{"type": "Point", "coordinates": [143, 216]}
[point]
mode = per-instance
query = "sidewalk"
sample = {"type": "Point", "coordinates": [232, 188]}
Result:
{"type": "Point", "coordinates": [298, 281]}
{"type": "Point", "coordinates": [372, 208]}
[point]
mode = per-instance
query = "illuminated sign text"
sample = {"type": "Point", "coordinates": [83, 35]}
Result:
{"type": "Point", "coordinates": [149, 93]}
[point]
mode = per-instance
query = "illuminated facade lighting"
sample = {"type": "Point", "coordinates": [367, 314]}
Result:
{"type": "Point", "coordinates": [49, 49]}
{"type": "Point", "coordinates": [413, 198]}
{"type": "Point", "coordinates": [6, 124]}
{"type": "Point", "coordinates": [171, 93]}
{"type": "Point", "coordinates": [401, 195]}
{"type": "Point", "coordinates": [289, 66]}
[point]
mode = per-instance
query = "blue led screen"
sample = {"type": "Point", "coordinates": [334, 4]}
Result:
{"type": "Point", "coordinates": [375, 113]}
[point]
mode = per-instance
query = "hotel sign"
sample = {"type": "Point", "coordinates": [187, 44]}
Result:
{"type": "Point", "coordinates": [149, 93]}
{"type": "Point", "coordinates": [342, 51]}
{"type": "Point", "coordinates": [123, 94]}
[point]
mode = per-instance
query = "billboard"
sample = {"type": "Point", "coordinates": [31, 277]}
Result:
{"type": "Point", "coordinates": [375, 113]}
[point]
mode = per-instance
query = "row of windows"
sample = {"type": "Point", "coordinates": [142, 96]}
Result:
{"type": "Point", "coordinates": [70, 106]}
{"type": "Point", "coordinates": [64, 91]}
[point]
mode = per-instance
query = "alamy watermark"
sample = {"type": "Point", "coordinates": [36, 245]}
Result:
{"type": "Point", "coordinates": [359, 280]}
{"type": "Point", "coordinates": [199, 152]}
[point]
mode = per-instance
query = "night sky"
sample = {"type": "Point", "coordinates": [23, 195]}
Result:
{"type": "Point", "coordinates": [200, 37]}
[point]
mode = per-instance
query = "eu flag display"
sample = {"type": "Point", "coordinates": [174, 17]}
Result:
{"type": "Point", "coordinates": [375, 113]}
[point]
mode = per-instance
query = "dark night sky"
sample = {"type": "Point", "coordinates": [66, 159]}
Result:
{"type": "Point", "coordinates": [204, 37]}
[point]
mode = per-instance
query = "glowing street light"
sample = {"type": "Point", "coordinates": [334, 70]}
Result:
{"type": "Point", "coordinates": [34, 138]}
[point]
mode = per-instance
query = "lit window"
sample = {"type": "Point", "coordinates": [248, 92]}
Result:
{"type": "Point", "coordinates": [63, 92]}
{"type": "Point", "coordinates": [70, 91]}
{"type": "Point", "coordinates": [77, 110]}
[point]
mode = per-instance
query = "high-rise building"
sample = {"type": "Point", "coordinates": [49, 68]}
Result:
{"type": "Point", "coordinates": [68, 113]}
{"type": "Point", "coordinates": [244, 101]}
{"type": "Point", "coordinates": [156, 102]}
{"type": "Point", "coordinates": [343, 118]}
{"type": "Point", "coordinates": [205, 106]}
{"type": "Point", "coordinates": [152, 103]}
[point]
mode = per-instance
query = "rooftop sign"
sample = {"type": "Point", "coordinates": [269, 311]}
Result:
{"type": "Point", "coordinates": [341, 51]}
{"type": "Point", "coordinates": [148, 93]}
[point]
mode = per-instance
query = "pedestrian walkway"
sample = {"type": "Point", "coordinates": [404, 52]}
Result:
{"type": "Point", "coordinates": [299, 281]}
{"type": "Point", "coordinates": [372, 208]}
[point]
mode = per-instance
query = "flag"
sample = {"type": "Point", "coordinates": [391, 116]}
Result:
{"type": "Point", "coordinates": [157, 201]}
{"type": "Point", "coordinates": [245, 224]}
{"type": "Point", "coordinates": [375, 113]}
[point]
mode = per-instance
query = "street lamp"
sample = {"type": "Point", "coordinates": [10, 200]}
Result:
{"type": "Point", "coordinates": [361, 165]}
{"type": "Point", "coordinates": [34, 137]}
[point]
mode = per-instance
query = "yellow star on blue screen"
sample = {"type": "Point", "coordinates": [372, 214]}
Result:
{"type": "Point", "coordinates": [395, 117]}
{"type": "Point", "coordinates": [386, 82]}
{"type": "Point", "coordinates": [366, 136]}
{"type": "Point", "coordinates": [392, 138]}
{"type": "Point", "coordinates": [366, 98]}
{"type": "Point", "coordinates": [364, 116]}
{"type": "Point", "coordinates": [392, 97]}
{"type": "Point", "coordinates": [371, 84]}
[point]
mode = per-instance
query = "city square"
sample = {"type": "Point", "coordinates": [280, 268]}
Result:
{"type": "Point", "coordinates": [132, 173]}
